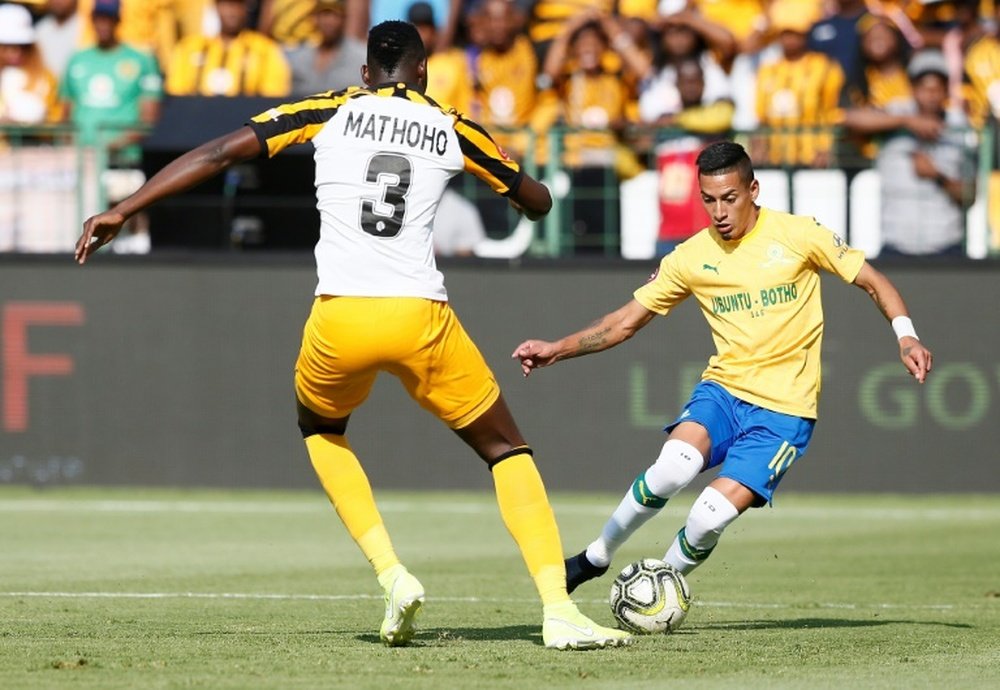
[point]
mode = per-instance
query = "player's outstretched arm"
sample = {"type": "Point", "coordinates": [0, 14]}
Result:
{"type": "Point", "coordinates": [531, 198]}
{"type": "Point", "coordinates": [916, 358]}
{"type": "Point", "coordinates": [608, 331]}
{"type": "Point", "coordinates": [190, 169]}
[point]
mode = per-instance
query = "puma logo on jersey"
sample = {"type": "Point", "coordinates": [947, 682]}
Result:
{"type": "Point", "coordinates": [709, 267]}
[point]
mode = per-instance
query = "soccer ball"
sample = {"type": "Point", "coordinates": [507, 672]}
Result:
{"type": "Point", "coordinates": [649, 596]}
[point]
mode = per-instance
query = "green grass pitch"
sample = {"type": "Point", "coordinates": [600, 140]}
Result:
{"type": "Point", "coordinates": [167, 589]}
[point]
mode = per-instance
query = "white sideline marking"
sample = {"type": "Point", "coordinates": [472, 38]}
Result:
{"type": "Point", "coordinates": [463, 600]}
{"type": "Point", "coordinates": [459, 507]}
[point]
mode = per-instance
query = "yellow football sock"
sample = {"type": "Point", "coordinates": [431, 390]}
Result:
{"type": "Point", "coordinates": [526, 512]}
{"type": "Point", "coordinates": [346, 484]}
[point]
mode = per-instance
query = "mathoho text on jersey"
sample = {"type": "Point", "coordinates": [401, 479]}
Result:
{"type": "Point", "coordinates": [413, 134]}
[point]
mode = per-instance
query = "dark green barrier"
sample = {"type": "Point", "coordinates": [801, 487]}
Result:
{"type": "Point", "coordinates": [163, 372]}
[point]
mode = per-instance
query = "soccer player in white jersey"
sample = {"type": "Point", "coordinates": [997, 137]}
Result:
{"type": "Point", "coordinates": [755, 274]}
{"type": "Point", "coordinates": [384, 154]}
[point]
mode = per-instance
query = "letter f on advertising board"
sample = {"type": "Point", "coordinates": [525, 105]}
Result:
{"type": "Point", "coordinates": [19, 365]}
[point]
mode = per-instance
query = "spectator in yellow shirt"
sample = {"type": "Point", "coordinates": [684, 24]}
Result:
{"type": "Point", "coordinates": [884, 54]}
{"type": "Point", "coordinates": [593, 98]}
{"type": "Point", "coordinates": [237, 62]}
{"type": "Point", "coordinates": [973, 56]}
{"type": "Point", "coordinates": [506, 69]}
{"type": "Point", "coordinates": [797, 98]}
{"type": "Point", "coordinates": [448, 80]}
{"type": "Point", "coordinates": [591, 65]}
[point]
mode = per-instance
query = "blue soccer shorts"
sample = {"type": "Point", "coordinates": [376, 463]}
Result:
{"type": "Point", "coordinates": [755, 446]}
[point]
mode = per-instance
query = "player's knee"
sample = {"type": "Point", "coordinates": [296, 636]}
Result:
{"type": "Point", "coordinates": [311, 423]}
{"type": "Point", "coordinates": [513, 452]}
{"type": "Point", "coordinates": [711, 513]}
{"type": "Point", "coordinates": [679, 463]}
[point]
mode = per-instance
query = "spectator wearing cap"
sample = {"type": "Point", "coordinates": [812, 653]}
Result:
{"type": "Point", "coordinates": [111, 86]}
{"type": "Point", "coordinates": [927, 184]}
{"type": "Point", "coordinates": [798, 96]}
{"type": "Point", "coordinates": [27, 89]}
{"type": "Point", "coordinates": [112, 91]}
{"type": "Point", "coordinates": [237, 62]}
{"type": "Point", "coordinates": [927, 171]}
{"type": "Point", "coordinates": [334, 61]}
{"type": "Point", "coordinates": [59, 34]}
{"type": "Point", "coordinates": [448, 80]}
{"type": "Point", "coordinates": [151, 25]}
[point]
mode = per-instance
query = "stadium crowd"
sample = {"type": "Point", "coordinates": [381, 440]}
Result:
{"type": "Point", "coordinates": [618, 74]}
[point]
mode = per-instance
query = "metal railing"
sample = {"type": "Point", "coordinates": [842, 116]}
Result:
{"type": "Point", "coordinates": [50, 182]}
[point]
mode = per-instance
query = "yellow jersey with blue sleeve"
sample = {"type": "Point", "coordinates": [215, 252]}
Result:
{"type": "Point", "coordinates": [383, 157]}
{"type": "Point", "coordinates": [761, 297]}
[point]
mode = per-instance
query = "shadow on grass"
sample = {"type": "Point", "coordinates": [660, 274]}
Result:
{"type": "Point", "coordinates": [424, 636]}
{"type": "Point", "coordinates": [804, 623]}
{"type": "Point", "coordinates": [440, 636]}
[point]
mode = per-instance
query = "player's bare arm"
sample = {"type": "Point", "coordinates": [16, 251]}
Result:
{"type": "Point", "coordinates": [190, 169]}
{"type": "Point", "coordinates": [916, 358]}
{"type": "Point", "coordinates": [531, 198]}
{"type": "Point", "coordinates": [606, 332]}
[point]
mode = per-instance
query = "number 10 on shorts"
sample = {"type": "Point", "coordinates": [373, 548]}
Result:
{"type": "Point", "coordinates": [782, 460]}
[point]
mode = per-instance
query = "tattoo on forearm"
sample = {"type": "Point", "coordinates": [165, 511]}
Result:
{"type": "Point", "coordinates": [879, 303]}
{"type": "Point", "coordinates": [593, 341]}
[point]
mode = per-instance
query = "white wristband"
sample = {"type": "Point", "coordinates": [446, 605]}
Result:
{"type": "Point", "coordinates": [903, 326]}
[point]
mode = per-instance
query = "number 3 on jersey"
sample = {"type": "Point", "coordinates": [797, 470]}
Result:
{"type": "Point", "coordinates": [382, 215]}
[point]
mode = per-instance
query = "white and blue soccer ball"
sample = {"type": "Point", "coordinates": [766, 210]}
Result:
{"type": "Point", "coordinates": [649, 596]}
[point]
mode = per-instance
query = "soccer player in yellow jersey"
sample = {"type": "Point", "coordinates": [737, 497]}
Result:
{"type": "Point", "coordinates": [384, 154]}
{"type": "Point", "coordinates": [755, 275]}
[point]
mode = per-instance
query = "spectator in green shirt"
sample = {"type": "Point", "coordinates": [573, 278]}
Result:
{"type": "Point", "coordinates": [111, 87]}
{"type": "Point", "coordinates": [110, 90]}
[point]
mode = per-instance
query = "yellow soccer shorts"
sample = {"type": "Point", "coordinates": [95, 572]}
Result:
{"type": "Point", "coordinates": [348, 340]}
